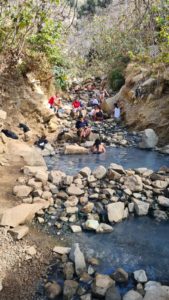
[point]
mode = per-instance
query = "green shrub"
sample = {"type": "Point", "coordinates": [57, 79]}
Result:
{"type": "Point", "coordinates": [116, 79]}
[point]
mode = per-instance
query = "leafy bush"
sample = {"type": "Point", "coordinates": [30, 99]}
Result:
{"type": "Point", "coordinates": [116, 79]}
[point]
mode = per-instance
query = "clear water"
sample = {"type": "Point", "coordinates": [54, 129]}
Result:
{"type": "Point", "coordinates": [137, 243]}
{"type": "Point", "coordinates": [127, 157]}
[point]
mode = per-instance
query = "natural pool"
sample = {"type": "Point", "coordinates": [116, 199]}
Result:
{"type": "Point", "coordinates": [127, 157]}
{"type": "Point", "coordinates": [136, 243]}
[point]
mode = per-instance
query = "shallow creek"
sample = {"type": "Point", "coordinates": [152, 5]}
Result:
{"type": "Point", "coordinates": [136, 243]}
{"type": "Point", "coordinates": [127, 157]}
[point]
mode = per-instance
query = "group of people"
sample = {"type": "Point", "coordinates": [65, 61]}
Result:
{"type": "Point", "coordinates": [96, 114]}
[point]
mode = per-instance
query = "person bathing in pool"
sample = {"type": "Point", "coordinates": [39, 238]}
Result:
{"type": "Point", "coordinates": [98, 147]}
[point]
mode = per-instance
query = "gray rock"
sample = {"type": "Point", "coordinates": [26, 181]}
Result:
{"type": "Point", "coordinates": [132, 295]}
{"type": "Point", "coordinates": [104, 228]}
{"type": "Point", "coordinates": [134, 183]}
{"type": "Point", "coordinates": [100, 172]}
{"type": "Point", "coordinates": [117, 168]}
{"type": "Point", "coordinates": [78, 258]}
{"type": "Point", "coordinates": [101, 284]}
{"type": "Point", "coordinates": [69, 289]}
{"type": "Point", "coordinates": [157, 293]}
{"type": "Point", "coordinates": [149, 139]}
{"type": "Point", "coordinates": [53, 289]}
{"type": "Point", "coordinates": [68, 270]}
{"type": "Point", "coordinates": [120, 275]}
{"type": "Point", "coordinates": [113, 294]}
{"type": "Point", "coordinates": [85, 172]}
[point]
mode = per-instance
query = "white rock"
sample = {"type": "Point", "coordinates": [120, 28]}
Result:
{"type": "Point", "coordinates": [115, 211]}
{"type": "Point", "coordinates": [61, 250]}
{"type": "Point", "coordinates": [140, 276]}
{"type": "Point", "coordinates": [163, 201]}
{"type": "Point", "coordinates": [91, 224]}
{"type": "Point", "coordinates": [75, 228]}
{"type": "Point", "coordinates": [141, 207]}
{"type": "Point", "coordinates": [103, 228]}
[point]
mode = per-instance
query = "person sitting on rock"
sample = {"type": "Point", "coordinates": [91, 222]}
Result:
{"type": "Point", "coordinates": [98, 115]}
{"type": "Point", "coordinates": [76, 107]}
{"type": "Point", "coordinates": [94, 102]}
{"type": "Point", "coordinates": [83, 129]}
{"type": "Point", "coordinates": [98, 147]}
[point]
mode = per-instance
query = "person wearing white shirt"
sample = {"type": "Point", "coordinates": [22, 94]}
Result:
{"type": "Point", "coordinates": [116, 112]}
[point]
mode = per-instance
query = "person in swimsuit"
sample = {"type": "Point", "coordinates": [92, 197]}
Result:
{"type": "Point", "coordinates": [98, 147]}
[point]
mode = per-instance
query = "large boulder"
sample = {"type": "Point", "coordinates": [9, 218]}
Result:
{"type": "Point", "coordinates": [115, 211]}
{"type": "Point", "coordinates": [18, 151]}
{"type": "Point", "coordinates": [149, 139]}
{"type": "Point", "coordinates": [75, 149]}
{"type": "Point", "coordinates": [133, 183]}
{"type": "Point", "coordinates": [22, 213]}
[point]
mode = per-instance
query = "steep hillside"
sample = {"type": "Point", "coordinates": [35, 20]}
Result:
{"type": "Point", "coordinates": [145, 99]}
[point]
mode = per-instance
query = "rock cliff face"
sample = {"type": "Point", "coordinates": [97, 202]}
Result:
{"type": "Point", "coordinates": [25, 101]}
{"type": "Point", "coordinates": [145, 99]}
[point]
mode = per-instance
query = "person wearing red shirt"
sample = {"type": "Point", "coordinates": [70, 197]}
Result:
{"type": "Point", "coordinates": [51, 101]}
{"type": "Point", "coordinates": [76, 104]}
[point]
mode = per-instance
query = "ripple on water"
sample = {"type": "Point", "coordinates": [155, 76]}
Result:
{"type": "Point", "coordinates": [127, 157]}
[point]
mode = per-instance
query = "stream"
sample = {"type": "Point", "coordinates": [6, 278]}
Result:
{"type": "Point", "coordinates": [127, 157]}
{"type": "Point", "coordinates": [136, 243]}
